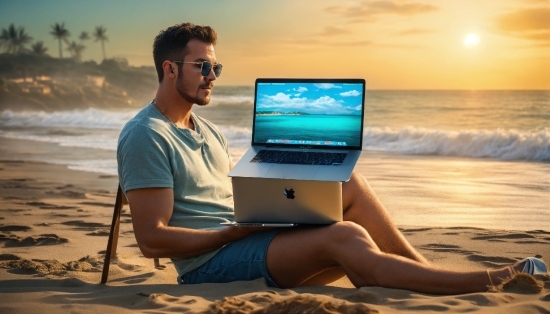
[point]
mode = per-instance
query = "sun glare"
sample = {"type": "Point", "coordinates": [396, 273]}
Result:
{"type": "Point", "coordinates": [471, 40]}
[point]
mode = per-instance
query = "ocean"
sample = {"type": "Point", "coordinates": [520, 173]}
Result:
{"type": "Point", "coordinates": [435, 158]}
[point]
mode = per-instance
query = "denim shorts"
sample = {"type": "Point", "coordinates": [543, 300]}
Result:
{"type": "Point", "coordinates": [244, 259]}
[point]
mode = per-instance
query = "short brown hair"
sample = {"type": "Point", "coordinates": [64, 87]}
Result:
{"type": "Point", "coordinates": [171, 42]}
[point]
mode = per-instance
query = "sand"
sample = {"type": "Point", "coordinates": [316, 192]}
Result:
{"type": "Point", "coordinates": [54, 225]}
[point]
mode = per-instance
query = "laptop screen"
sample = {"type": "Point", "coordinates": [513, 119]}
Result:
{"type": "Point", "coordinates": [313, 113]}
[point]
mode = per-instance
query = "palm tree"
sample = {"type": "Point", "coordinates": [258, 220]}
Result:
{"type": "Point", "coordinates": [39, 49]}
{"type": "Point", "coordinates": [8, 38]}
{"type": "Point", "coordinates": [60, 33]}
{"type": "Point", "coordinates": [99, 34]}
{"type": "Point", "coordinates": [14, 39]}
{"type": "Point", "coordinates": [84, 36]}
{"type": "Point", "coordinates": [76, 50]}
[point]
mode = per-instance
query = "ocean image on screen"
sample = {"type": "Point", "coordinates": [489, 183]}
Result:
{"type": "Point", "coordinates": [309, 114]}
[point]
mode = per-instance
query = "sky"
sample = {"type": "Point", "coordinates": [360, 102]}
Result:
{"type": "Point", "coordinates": [392, 44]}
{"type": "Point", "coordinates": [311, 98]}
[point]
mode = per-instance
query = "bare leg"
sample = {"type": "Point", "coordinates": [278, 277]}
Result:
{"type": "Point", "coordinates": [346, 245]}
{"type": "Point", "coordinates": [363, 207]}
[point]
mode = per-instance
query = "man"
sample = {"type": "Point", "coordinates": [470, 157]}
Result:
{"type": "Point", "coordinates": [173, 168]}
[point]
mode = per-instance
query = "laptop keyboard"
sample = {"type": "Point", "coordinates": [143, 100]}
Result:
{"type": "Point", "coordinates": [299, 158]}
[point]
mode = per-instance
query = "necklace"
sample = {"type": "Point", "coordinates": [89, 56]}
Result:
{"type": "Point", "coordinates": [154, 102]}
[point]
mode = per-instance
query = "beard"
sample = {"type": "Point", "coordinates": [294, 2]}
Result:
{"type": "Point", "coordinates": [193, 98]}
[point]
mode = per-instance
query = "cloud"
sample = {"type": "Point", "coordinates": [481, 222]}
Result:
{"type": "Point", "coordinates": [321, 105]}
{"type": "Point", "coordinates": [538, 1]}
{"type": "Point", "coordinates": [299, 91]}
{"type": "Point", "coordinates": [334, 31]}
{"type": "Point", "coordinates": [414, 31]}
{"type": "Point", "coordinates": [326, 86]}
{"type": "Point", "coordinates": [324, 43]}
{"type": "Point", "coordinates": [367, 10]}
{"type": "Point", "coordinates": [400, 46]}
{"type": "Point", "coordinates": [279, 97]}
{"type": "Point", "coordinates": [527, 23]}
{"type": "Point", "coordinates": [355, 43]}
{"type": "Point", "coordinates": [350, 93]}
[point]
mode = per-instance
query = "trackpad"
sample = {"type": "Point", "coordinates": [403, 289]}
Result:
{"type": "Point", "coordinates": [301, 172]}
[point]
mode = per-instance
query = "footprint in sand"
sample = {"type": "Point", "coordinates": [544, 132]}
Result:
{"type": "Point", "coordinates": [502, 237]}
{"type": "Point", "coordinates": [80, 224]}
{"type": "Point", "coordinates": [16, 184]}
{"type": "Point", "coordinates": [7, 228]}
{"type": "Point", "coordinates": [69, 194]}
{"type": "Point", "coordinates": [15, 210]}
{"type": "Point", "coordinates": [100, 232]}
{"type": "Point", "coordinates": [10, 198]}
{"type": "Point", "coordinates": [40, 240]}
{"type": "Point", "coordinates": [43, 205]}
{"type": "Point", "coordinates": [45, 267]}
{"type": "Point", "coordinates": [436, 247]}
{"type": "Point", "coordinates": [9, 257]}
{"type": "Point", "coordinates": [126, 266]}
{"type": "Point", "coordinates": [287, 303]}
{"type": "Point", "coordinates": [539, 232]}
{"type": "Point", "coordinates": [415, 229]}
{"type": "Point", "coordinates": [491, 261]}
{"type": "Point", "coordinates": [97, 204]}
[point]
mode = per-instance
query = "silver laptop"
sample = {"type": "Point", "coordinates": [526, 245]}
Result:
{"type": "Point", "coordinates": [307, 136]}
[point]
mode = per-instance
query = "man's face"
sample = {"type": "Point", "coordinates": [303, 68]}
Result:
{"type": "Point", "coordinates": [191, 85]}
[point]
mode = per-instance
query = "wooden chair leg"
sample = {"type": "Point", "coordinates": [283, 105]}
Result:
{"type": "Point", "coordinates": [113, 235]}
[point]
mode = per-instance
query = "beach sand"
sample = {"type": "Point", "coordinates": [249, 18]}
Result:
{"type": "Point", "coordinates": [54, 225]}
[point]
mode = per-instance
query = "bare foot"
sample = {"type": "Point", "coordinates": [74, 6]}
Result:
{"type": "Point", "coordinates": [497, 276]}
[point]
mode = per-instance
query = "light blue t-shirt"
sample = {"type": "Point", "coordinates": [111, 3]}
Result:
{"type": "Point", "coordinates": [153, 152]}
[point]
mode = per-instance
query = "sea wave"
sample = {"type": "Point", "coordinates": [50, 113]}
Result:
{"type": "Point", "coordinates": [94, 141]}
{"type": "Point", "coordinates": [500, 144]}
{"type": "Point", "coordinates": [231, 99]}
{"type": "Point", "coordinates": [533, 145]}
{"type": "Point", "coordinates": [237, 136]}
{"type": "Point", "coordinates": [89, 118]}
{"type": "Point", "coordinates": [503, 144]}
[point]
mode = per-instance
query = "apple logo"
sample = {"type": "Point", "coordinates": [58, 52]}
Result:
{"type": "Point", "coordinates": [289, 194]}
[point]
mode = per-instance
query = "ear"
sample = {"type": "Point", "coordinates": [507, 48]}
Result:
{"type": "Point", "coordinates": [169, 69]}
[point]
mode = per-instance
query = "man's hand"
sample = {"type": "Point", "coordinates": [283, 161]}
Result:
{"type": "Point", "coordinates": [151, 210]}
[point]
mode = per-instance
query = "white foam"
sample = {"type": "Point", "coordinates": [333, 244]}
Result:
{"type": "Point", "coordinates": [503, 144]}
{"type": "Point", "coordinates": [500, 144]}
{"type": "Point", "coordinates": [231, 99]}
{"type": "Point", "coordinates": [237, 137]}
{"type": "Point", "coordinates": [105, 166]}
{"type": "Point", "coordinates": [96, 141]}
{"type": "Point", "coordinates": [88, 118]}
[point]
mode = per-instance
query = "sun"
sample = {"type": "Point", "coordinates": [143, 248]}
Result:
{"type": "Point", "coordinates": [471, 40]}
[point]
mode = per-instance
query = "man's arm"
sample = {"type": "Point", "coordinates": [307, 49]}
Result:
{"type": "Point", "coordinates": [151, 209]}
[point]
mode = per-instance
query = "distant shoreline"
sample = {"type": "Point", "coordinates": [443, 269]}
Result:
{"type": "Point", "coordinates": [34, 82]}
{"type": "Point", "coordinates": [302, 114]}
{"type": "Point", "coordinates": [278, 113]}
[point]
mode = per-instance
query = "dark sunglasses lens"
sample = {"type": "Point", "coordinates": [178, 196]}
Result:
{"type": "Point", "coordinates": [207, 67]}
{"type": "Point", "coordinates": [218, 69]}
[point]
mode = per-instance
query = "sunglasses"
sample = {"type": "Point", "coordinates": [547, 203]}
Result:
{"type": "Point", "coordinates": [206, 67]}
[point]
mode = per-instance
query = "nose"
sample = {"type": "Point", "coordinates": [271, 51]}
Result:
{"type": "Point", "coordinates": [211, 76]}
